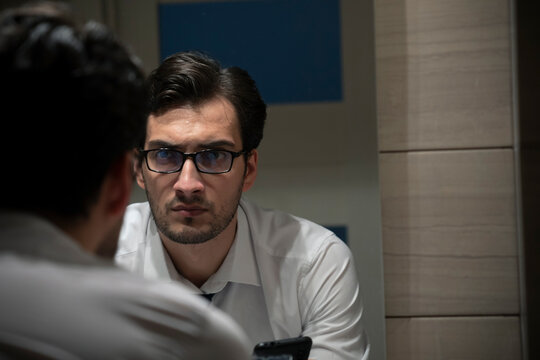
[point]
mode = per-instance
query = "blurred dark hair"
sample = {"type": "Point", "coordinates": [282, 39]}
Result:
{"type": "Point", "coordinates": [192, 78]}
{"type": "Point", "coordinates": [73, 101]}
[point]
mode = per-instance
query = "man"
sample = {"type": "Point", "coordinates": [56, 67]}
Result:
{"type": "Point", "coordinates": [277, 275]}
{"type": "Point", "coordinates": [73, 101]}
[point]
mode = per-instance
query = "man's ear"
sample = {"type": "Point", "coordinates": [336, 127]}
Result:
{"type": "Point", "coordinates": [137, 170]}
{"type": "Point", "coordinates": [118, 185]}
{"type": "Point", "coordinates": [251, 170]}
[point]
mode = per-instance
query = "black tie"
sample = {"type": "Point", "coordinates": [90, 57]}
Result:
{"type": "Point", "coordinates": [207, 296]}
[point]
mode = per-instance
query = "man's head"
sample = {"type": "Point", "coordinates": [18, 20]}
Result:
{"type": "Point", "coordinates": [191, 78]}
{"type": "Point", "coordinates": [195, 106]}
{"type": "Point", "coordinates": [73, 106]}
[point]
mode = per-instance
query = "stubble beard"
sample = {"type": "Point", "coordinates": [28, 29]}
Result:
{"type": "Point", "coordinates": [188, 233]}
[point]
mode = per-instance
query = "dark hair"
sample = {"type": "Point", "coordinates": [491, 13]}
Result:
{"type": "Point", "coordinates": [75, 98]}
{"type": "Point", "coordinates": [192, 78]}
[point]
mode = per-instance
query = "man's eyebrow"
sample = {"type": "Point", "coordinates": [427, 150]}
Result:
{"type": "Point", "coordinates": [153, 144]}
{"type": "Point", "coordinates": [217, 144]}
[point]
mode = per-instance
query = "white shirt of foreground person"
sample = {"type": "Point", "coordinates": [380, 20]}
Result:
{"type": "Point", "coordinates": [283, 277]}
{"type": "Point", "coordinates": [59, 302]}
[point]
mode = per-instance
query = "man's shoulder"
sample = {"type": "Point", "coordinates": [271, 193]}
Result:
{"type": "Point", "coordinates": [190, 318]}
{"type": "Point", "coordinates": [133, 230]}
{"type": "Point", "coordinates": [136, 289]}
{"type": "Point", "coordinates": [283, 234]}
{"type": "Point", "coordinates": [108, 294]}
{"type": "Point", "coordinates": [137, 213]}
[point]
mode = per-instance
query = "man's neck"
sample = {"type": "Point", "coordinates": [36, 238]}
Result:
{"type": "Point", "coordinates": [197, 262]}
{"type": "Point", "coordinates": [80, 230]}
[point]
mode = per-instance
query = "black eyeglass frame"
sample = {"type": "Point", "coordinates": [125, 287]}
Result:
{"type": "Point", "coordinates": [192, 156]}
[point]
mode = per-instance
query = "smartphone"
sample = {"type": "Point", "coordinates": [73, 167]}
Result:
{"type": "Point", "coordinates": [298, 348]}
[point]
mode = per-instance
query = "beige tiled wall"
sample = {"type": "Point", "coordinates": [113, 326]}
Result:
{"type": "Point", "coordinates": [447, 179]}
{"type": "Point", "coordinates": [449, 232]}
{"type": "Point", "coordinates": [453, 338]}
{"type": "Point", "coordinates": [443, 74]}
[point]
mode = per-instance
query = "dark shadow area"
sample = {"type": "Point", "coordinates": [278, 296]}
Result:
{"type": "Point", "coordinates": [528, 73]}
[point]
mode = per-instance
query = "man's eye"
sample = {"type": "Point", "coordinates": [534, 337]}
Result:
{"type": "Point", "coordinates": [165, 156]}
{"type": "Point", "coordinates": [212, 155]}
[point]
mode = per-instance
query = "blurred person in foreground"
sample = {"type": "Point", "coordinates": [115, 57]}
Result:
{"type": "Point", "coordinates": [74, 108]}
{"type": "Point", "coordinates": [279, 276]}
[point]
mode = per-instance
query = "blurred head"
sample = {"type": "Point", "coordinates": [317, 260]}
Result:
{"type": "Point", "coordinates": [73, 102]}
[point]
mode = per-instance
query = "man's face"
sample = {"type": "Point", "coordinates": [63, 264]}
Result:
{"type": "Point", "coordinates": [192, 207]}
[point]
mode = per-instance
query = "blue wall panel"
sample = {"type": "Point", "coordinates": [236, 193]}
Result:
{"type": "Point", "coordinates": [340, 231]}
{"type": "Point", "coordinates": [292, 48]}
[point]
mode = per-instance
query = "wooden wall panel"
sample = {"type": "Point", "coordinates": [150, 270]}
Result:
{"type": "Point", "coordinates": [443, 74]}
{"type": "Point", "coordinates": [471, 338]}
{"type": "Point", "coordinates": [449, 233]}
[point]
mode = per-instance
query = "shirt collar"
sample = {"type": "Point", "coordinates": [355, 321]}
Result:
{"type": "Point", "coordinates": [157, 262]}
{"type": "Point", "coordinates": [239, 265]}
{"type": "Point", "coordinates": [26, 234]}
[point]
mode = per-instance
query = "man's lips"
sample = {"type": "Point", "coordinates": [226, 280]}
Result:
{"type": "Point", "coordinates": [188, 211]}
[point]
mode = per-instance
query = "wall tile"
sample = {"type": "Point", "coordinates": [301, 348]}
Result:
{"type": "Point", "coordinates": [489, 338]}
{"type": "Point", "coordinates": [443, 74]}
{"type": "Point", "coordinates": [449, 233]}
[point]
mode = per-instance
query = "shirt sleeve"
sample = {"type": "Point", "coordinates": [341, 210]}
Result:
{"type": "Point", "coordinates": [224, 339]}
{"type": "Point", "coordinates": [331, 305]}
{"type": "Point", "coordinates": [177, 324]}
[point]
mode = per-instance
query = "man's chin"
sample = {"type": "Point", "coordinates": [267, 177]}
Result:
{"type": "Point", "coordinates": [187, 235]}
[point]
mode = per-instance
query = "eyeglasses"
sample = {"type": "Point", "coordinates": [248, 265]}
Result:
{"type": "Point", "coordinates": [167, 161]}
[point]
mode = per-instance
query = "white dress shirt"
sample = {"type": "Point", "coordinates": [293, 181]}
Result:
{"type": "Point", "coordinates": [283, 277]}
{"type": "Point", "coordinates": [60, 302]}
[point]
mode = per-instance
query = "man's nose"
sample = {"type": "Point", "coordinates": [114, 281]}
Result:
{"type": "Point", "coordinates": [189, 179]}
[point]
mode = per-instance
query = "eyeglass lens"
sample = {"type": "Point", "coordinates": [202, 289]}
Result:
{"type": "Point", "coordinates": [211, 161]}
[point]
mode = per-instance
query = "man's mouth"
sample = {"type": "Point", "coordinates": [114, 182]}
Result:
{"type": "Point", "coordinates": [189, 210]}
